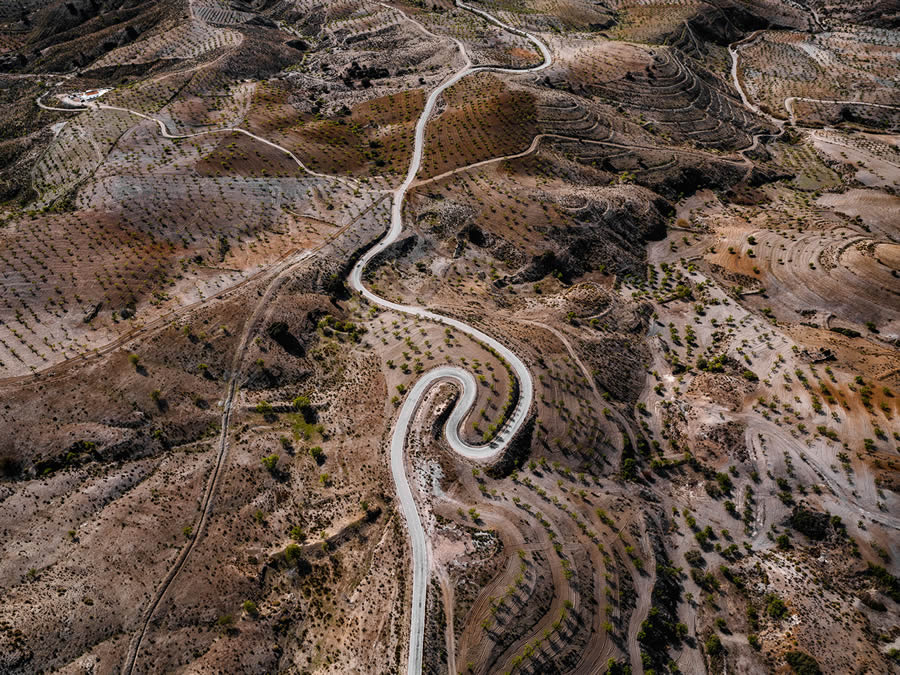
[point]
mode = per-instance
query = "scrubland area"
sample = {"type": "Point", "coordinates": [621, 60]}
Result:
{"type": "Point", "coordinates": [685, 226]}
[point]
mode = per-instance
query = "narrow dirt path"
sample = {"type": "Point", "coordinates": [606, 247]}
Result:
{"type": "Point", "coordinates": [215, 475]}
{"type": "Point", "coordinates": [166, 134]}
{"type": "Point", "coordinates": [535, 143]}
{"type": "Point", "coordinates": [199, 527]}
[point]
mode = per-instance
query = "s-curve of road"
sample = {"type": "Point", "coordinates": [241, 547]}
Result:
{"type": "Point", "coordinates": [462, 377]}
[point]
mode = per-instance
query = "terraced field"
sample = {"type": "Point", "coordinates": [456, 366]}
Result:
{"type": "Point", "coordinates": [841, 65]}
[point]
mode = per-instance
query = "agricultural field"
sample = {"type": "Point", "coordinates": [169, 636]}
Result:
{"type": "Point", "coordinates": [486, 336]}
{"type": "Point", "coordinates": [485, 43]}
{"type": "Point", "coordinates": [840, 65]}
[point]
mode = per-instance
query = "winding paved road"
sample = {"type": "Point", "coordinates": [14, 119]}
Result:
{"type": "Point", "coordinates": [465, 379]}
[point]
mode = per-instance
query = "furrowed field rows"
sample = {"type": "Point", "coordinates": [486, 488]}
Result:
{"type": "Point", "coordinates": [187, 41]}
{"type": "Point", "coordinates": [843, 65]}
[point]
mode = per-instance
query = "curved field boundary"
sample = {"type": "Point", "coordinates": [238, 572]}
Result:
{"type": "Point", "coordinates": [575, 139]}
